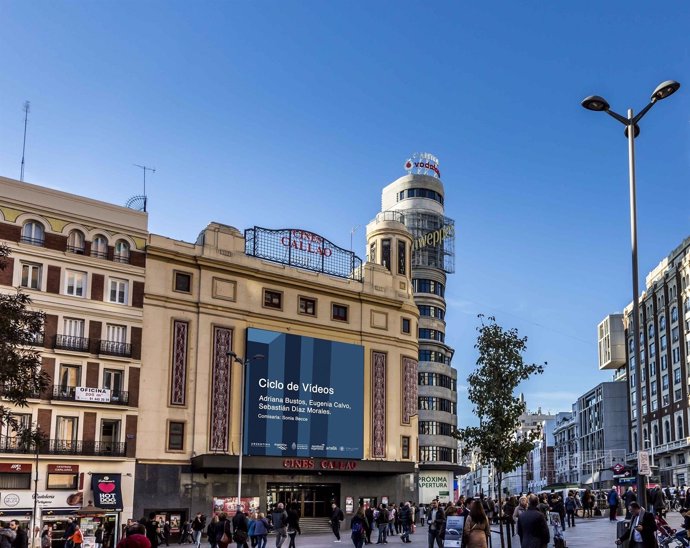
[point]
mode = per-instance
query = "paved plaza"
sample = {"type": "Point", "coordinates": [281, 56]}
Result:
{"type": "Point", "coordinates": [591, 533]}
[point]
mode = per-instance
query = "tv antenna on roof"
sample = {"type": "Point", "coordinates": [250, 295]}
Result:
{"type": "Point", "coordinates": [135, 201]}
{"type": "Point", "coordinates": [26, 120]}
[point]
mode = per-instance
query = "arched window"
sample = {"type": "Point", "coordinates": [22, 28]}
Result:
{"type": "Point", "coordinates": [121, 252]}
{"type": "Point", "coordinates": [679, 428]}
{"type": "Point", "coordinates": [651, 331]}
{"type": "Point", "coordinates": [33, 233]}
{"type": "Point", "coordinates": [75, 242]}
{"type": "Point", "coordinates": [99, 247]}
{"type": "Point", "coordinates": [667, 431]}
{"type": "Point", "coordinates": [656, 435]}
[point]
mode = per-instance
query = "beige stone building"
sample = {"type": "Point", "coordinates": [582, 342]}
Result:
{"type": "Point", "coordinates": [337, 331]}
{"type": "Point", "coordinates": [82, 262]}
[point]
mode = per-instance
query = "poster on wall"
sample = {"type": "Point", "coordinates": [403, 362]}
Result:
{"type": "Point", "coordinates": [435, 486]}
{"type": "Point", "coordinates": [229, 505]}
{"type": "Point", "coordinates": [107, 490]}
{"type": "Point", "coordinates": [304, 398]}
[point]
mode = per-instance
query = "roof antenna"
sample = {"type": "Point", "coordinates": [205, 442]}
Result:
{"type": "Point", "coordinates": [26, 120]}
{"type": "Point", "coordinates": [145, 169]}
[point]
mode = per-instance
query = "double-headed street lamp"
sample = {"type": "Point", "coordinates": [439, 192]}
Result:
{"type": "Point", "coordinates": [599, 104]}
{"type": "Point", "coordinates": [243, 363]}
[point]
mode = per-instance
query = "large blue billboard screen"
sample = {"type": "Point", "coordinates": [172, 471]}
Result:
{"type": "Point", "coordinates": [304, 398]}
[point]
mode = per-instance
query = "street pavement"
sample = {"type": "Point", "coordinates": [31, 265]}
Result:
{"type": "Point", "coordinates": [589, 533]}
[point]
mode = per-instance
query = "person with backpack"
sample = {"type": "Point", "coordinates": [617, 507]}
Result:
{"type": "Point", "coordinates": [336, 518]}
{"type": "Point", "coordinates": [358, 526]}
{"type": "Point", "coordinates": [240, 528]}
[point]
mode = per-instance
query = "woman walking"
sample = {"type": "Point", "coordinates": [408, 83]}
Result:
{"type": "Point", "coordinates": [293, 524]}
{"type": "Point", "coordinates": [476, 531]}
{"type": "Point", "coordinates": [261, 530]}
{"type": "Point", "coordinates": [358, 526]}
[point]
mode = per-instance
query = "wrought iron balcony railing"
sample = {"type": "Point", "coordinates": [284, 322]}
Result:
{"type": "Point", "coordinates": [32, 241]}
{"type": "Point", "coordinates": [67, 342]}
{"type": "Point", "coordinates": [79, 250]}
{"type": "Point", "coordinates": [121, 258]}
{"type": "Point", "coordinates": [9, 444]}
{"type": "Point", "coordinates": [69, 393]}
{"type": "Point", "coordinates": [115, 348]}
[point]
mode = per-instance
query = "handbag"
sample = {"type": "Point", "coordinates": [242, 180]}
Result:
{"type": "Point", "coordinates": [240, 536]}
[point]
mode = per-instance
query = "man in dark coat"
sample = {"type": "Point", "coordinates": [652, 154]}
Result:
{"type": "Point", "coordinates": [152, 530]}
{"type": "Point", "coordinates": [406, 521]}
{"type": "Point", "coordinates": [532, 527]}
{"type": "Point", "coordinates": [21, 540]}
{"type": "Point", "coordinates": [642, 527]}
{"type": "Point", "coordinates": [436, 519]}
{"type": "Point", "coordinates": [336, 518]}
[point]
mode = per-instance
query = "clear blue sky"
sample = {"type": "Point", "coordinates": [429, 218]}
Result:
{"type": "Point", "coordinates": [297, 113]}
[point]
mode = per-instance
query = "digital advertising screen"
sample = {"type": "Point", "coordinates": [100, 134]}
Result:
{"type": "Point", "coordinates": [304, 398]}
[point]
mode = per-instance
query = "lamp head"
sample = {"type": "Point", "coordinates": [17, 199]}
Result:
{"type": "Point", "coordinates": [595, 103]}
{"type": "Point", "coordinates": [663, 90]}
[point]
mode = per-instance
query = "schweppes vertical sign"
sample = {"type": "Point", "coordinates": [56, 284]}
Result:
{"type": "Point", "coordinates": [433, 238]}
{"type": "Point", "coordinates": [107, 491]}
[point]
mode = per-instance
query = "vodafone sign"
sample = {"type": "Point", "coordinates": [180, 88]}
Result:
{"type": "Point", "coordinates": [423, 163]}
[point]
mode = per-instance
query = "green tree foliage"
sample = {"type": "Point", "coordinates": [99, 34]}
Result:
{"type": "Point", "coordinates": [20, 364]}
{"type": "Point", "coordinates": [491, 388]}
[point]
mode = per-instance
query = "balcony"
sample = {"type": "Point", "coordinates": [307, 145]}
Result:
{"type": "Point", "coordinates": [32, 241]}
{"type": "Point", "coordinates": [124, 259]}
{"type": "Point", "coordinates": [79, 250]}
{"type": "Point", "coordinates": [67, 342]}
{"type": "Point", "coordinates": [115, 348]}
{"type": "Point", "coordinates": [64, 447]}
{"type": "Point", "coordinates": [69, 393]}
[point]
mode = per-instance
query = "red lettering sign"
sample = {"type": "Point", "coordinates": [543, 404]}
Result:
{"type": "Point", "coordinates": [15, 468]}
{"type": "Point", "coordinates": [299, 464]}
{"type": "Point", "coordinates": [307, 242]}
{"type": "Point", "coordinates": [63, 469]}
{"type": "Point", "coordinates": [309, 464]}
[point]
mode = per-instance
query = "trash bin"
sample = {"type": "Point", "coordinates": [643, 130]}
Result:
{"type": "Point", "coordinates": [621, 528]}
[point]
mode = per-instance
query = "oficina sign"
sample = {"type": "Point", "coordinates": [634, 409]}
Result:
{"type": "Point", "coordinates": [423, 163]}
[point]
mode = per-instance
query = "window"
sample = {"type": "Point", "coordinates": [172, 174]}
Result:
{"type": "Point", "coordinates": [31, 275]}
{"type": "Point", "coordinates": [307, 306]}
{"type": "Point", "coordinates": [674, 314]}
{"type": "Point", "coordinates": [110, 433]}
{"type": "Point", "coordinates": [677, 394]}
{"type": "Point", "coordinates": [73, 327]}
{"type": "Point", "coordinates": [372, 252]}
{"type": "Point", "coordinates": [121, 254]}
{"type": "Point", "coordinates": [432, 334]}
{"type": "Point", "coordinates": [273, 299]}
{"type": "Point", "coordinates": [664, 382]}
{"type": "Point", "coordinates": [406, 326]}
{"type": "Point", "coordinates": [14, 480]}
{"type": "Point", "coordinates": [665, 400]}
{"type": "Point", "coordinates": [651, 331]}
{"type": "Point", "coordinates": [118, 291]}
{"type": "Point", "coordinates": [402, 257]}
{"type": "Point", "coordinates": [428, 286]}
{"type": "Point", "coordinates": [431, 311]}
{"type": "Point", "coordinates": [653, 388]}
{"type": "Point", "coordinates": [75, 283]}
{"type": "Point", "coordinates": [434, 428]}
{"type": "Point", "coordinates": [99, 247]}
{"type": "Point", "coordinates": [116, 333]}
{"type": "Point", "coordinates": [662, 323]}
{"type": "Point", "coordinates": [655, 404]}
{"type": "Point", "coordinates": [664, 363]}
{"type": "Point", "coordinates": [424, 193]}
{"type": "Point", "coordinates": [386, 253]}
{"type": "Point", "coordinates": [112, 379]}
{"type": "Point", "coordinates": [663, 342]}
{"type": "Point", "coordinates": [406, 447]}
{"type": "Point", "coordinates": [676, 376]}
{"type": "Point", "coordinates": [652, 350]}
{"type": "Point", "coordinates": [433, 356]}
{"type": "Point", "coordinates": [652, 368]}
{"type": "Point", "coordinates": [436, 454]}
{"type": "Point", "coordinates": [175, 436]}
{"type": "Point", "coordinates": [63, 480]}
{"type": "Point", "coordinates": [667, 431]}
{"type": "Point", "coordinates": [70, 377]}
{"type": "Point", "coordinates": [339, 312]}
{"type": "Point", "coordinates": [674, 334]}
{"type": "Point", "coordinates": [76, 242]}
{"type": "Point", "coordinates": [675, 355]}
{"type": "Point", "coordinates": [656, 435]}
{"type": "Point", "coordinates": [33, 233]}
{"type": "Point", "coordinates": [66, 428]}
{"type": "Point", "coordinates": [183, 282]}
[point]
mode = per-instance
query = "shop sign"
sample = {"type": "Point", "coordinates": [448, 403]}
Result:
{"type": "Point", "coordinates": [63, 468]}
{"type": "Point", "coordinates": [435, 486]}
{"type": "Point", "coordinates": [99, 395]}
{"type": "Point", "coordinates": [107, 491]}
{"type": "Point", "coordinates": [423, 163]}
{"type": "Point", "coordinates": [11, 499]}
{"type": "Point", "coordinates": [15, 468]}
{"type": "Point", "coordinates": [304, 398]}
{"type": "Point", "coordinates": [433, 238]}
{"type": "Point", "coordinates": [229, 505]}
{"type": "Point", "coordinates": [349, 505]}
{"type": "Point", "coordinates": [311, 464]}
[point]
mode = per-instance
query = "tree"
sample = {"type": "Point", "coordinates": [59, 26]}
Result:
{"type": "Point", "coordinates": [491, 387]}
{"type": "Point", "coordinates": [20, 363]}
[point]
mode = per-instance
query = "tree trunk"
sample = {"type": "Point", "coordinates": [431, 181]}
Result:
{"type": "Point", "coordinates": [500, 509]}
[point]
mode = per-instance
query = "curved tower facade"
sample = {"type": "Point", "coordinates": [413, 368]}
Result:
{"type": "Point", "coordinates": [417, 199]}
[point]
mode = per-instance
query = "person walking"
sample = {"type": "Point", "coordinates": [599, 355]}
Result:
{"type": "Point", "coordinates": [381, 517]}
{"type": "Point", "coordinates": [240, 528]}
{"type": "Point", "coordinates": [570, 505]}
{"type": "Point", "coordinates": [587, 504]}
{"type": "Point", "coordinates": [406, 521]}
{"type": "Point", "coordinates": [392, 511]}
{"type": "Point", "coordinates": [532, 527]}
{"type": "Point", "coordinates": [358, 527]}
{"type": "Point", "coordinates": [46, 537]}
{"type": "Point", "coordinates": [436, 520]}
{"type": "Point", "coordinates": [613, 500]}
{"type": "Point", "coordinates": [77, 537]}
{"type": "Point", "coordinates": [559, 507]}
{"type": "Point", "coordinates": [261, 530]}
{"type": "Point", "coordinates": [476, 531]}
{"type": "Point", "coordinates": [293, 528]}
{"type": "Point", "coordinates": [21, 539]}
{"type": "Point", "coordinates": [336, 518]}
{"type": "Point", "coordinates": [211, 531]}
{"type": "Point", "coordinates": [642, 530]}
{"type": "Point", "coordinates": [628, 498]}
{"type": "Point", "coordinates": [508, 511]}
{"type": "Point", "coordinates": [197, 528]}
{"type": "Point", "coordinates": [369, 515]}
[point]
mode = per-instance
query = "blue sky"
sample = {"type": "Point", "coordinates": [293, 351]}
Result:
{"type": "Point", "coordinates": [297, 113]}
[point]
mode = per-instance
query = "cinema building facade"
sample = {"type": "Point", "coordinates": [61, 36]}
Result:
{"type": "Point", "coordinates": [316, 350]}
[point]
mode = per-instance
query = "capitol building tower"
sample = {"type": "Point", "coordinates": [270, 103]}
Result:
{"type": "Point", "coordinates": [417, 200]}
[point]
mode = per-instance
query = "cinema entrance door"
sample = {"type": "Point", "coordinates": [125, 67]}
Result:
{"type": "Point", "coordinates": [312, 499]}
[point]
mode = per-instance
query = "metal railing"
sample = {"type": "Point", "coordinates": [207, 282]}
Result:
{"type": "Point", "coordinates": [67, 342]}
{"type": "Point", "coordinates": [69, 393]}
{"type": "Point", "coordinates": [115, 348]}
{"type": "Point", "coordinates": [9, 444]}
{"type": "Point", "coordinates": [32, 241]}
{"type": "Point", "coordinates": [75, 249]}
{"type": "Point", "coordinates": [121, 258]}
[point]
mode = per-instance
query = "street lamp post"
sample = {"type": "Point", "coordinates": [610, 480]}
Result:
{"type": "Point", "coordinates": [632, 130]}
{"type": "Point", "coordinates": [243, 363]}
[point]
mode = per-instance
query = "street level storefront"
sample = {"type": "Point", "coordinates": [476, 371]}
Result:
{"type": "Point", "coordinates": [313, 484]}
